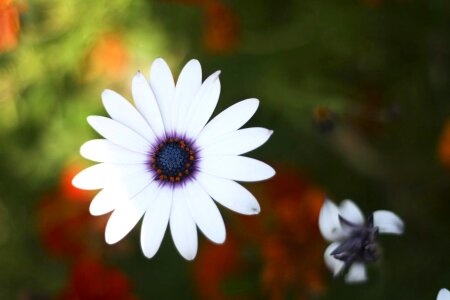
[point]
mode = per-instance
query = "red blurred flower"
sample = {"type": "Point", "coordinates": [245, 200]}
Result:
{"type": "Point", "coordinates": [221, 28]}
{"type": "Point", "coordinates": [64, 222]}
{"type": "Point", "coordinates": [285, 236]}
{"type": "Point", "coordinates": [91, 279]}
{"type": "Point", "coordinates": [444, 145]}
{"type": "Point", "coordinates": [9, 25]}
{"type": "Point", "coordinates": [68, 230]}
{"type": "Point", "coordinates": [292, 247]}
{"type": "Point", "coordinates": [213, 265]}
{"type": "Point", "coordinates": [67, 189]}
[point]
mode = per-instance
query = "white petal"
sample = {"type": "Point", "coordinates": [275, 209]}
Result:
{"type": "Point", "coordinates": [335, 265]}
{"type": "Point", "coordinates": [102, 175]}
{"type": "Point", "coordinates": [163, 86]}
{"type": "Point", "coordinates": [119, 134]}
{"type": "Point", "coordinates": [125, 217]}
{"type": "Point", "coordinates": [146, 104]}
{"type": "Point", "coordinates": [238, 142]}
{"type": "Point", "coordinates": [92, 178]}
{"type": "Point", "coordinates": [229, 193]}
{"type": "Point", "coordinates": [182, 225]}
{"type": "Point", "coordinates": [103, 203]}
{"type": "Point", "coordinates": [102, 150]}
{"type": "Point", "coordinates": [188, 84]}
{"type": "Point", "coordinates": [351, 212]}
{"type": "Point", "coordinates": [238, 168]}
{"type": "Point", "coordinates": [444, 294]}
{"type": "Point", "coordinates": [119, 191]}
{"type": "Point", "coordinates": [203, 105]}
{"type": "Point", "coordinates": [123, 112]}
{"type": "Point", "coordinates": [357, 273]}
{"type": "Point", "coordinates": [388, 222]}
{"type": "Point", "coordinates": [329, 224]}
{"type": "Point", "coordinates": [227, 121]}
{"type": "Point", "coordinates": [205, 213]}
{"type": "Point", "coordinates": [155, 222]}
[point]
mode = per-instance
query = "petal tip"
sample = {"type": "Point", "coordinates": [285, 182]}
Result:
{"type": "Point", "coordinates": [92, 210]}
{"type": "Point", "coordinates": [189, 257]}
{"type": "Point", "coordinates": [149, 254]}
{"type": "Point", "coordinates": [327, 203]}
{"type": "Point", "coordinates": [443, 294]}
{"type": "Point", "coordinates": [74, 181]}
{"type": "Point", "coordinates": [216, 75]}
{"type": "Point", "coordinates": [109, 238]}
{"type": "Point", "coordinates": [194, 61]}
{"type": "Point", "coordinates": [271, 173]}
{"type": "Point", "coordinates": [91, 119]}
{"type": "Point", "coordinates": [222, 240]}
{"type": "Point", "coordinates": [255, 210]}
{"type": "Point", "coordinates": [159, 60]}
{"type": "Point", "coordinates": [78, 181]}
{"type": "Point", "coordinates": [105, 92]}
{"type": "Point", "coordinates": [83, 150]}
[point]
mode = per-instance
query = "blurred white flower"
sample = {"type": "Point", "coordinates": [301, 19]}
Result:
{"type": "Point", "coordinates": [162, 159]}
{"type": "Point", "coordinates": [444, 294]}
{"type": "Point", "coordinates": [353, 242]}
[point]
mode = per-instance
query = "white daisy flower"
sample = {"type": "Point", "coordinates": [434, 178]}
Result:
{"type": "Point", "coordinates": [444, 294]}
{"type": "Point", "coordinates": [353, 242]}
{"type": "Point", "coordinates": [161, 159]}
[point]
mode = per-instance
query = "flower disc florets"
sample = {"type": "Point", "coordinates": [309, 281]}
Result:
{"type": "Point", "coordinates": [173, 160]}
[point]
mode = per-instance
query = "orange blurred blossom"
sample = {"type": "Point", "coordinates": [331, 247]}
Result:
{"type": "Point", "coordinates": [9, 25]}
{"type": "Point", "coordinates": [108, 57]}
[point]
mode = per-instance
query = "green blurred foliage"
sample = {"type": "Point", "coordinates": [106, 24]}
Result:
{"type": "Point", "coordinates": [382, 67]}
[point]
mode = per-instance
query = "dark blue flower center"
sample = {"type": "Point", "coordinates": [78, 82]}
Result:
{"type": "Point", "coordinates": [173, 160]}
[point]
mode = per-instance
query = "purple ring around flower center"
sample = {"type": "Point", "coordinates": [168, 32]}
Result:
{"type": "Point", "coordinates": [173, 160]}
